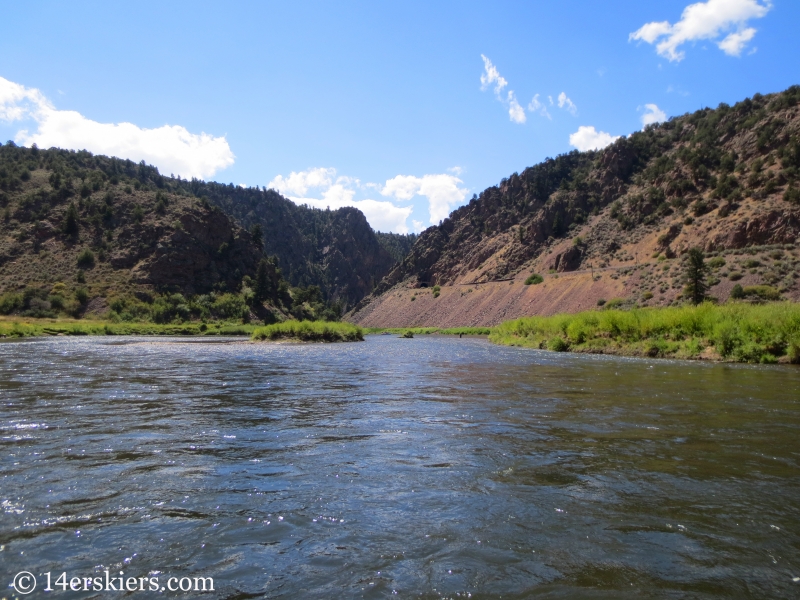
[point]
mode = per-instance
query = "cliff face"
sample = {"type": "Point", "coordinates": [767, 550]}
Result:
{"type": "Point", "coordinates": [336, 250]}
{"type": "Point", "coordinates": [726, 180]}
{"type": "Point", "coordinates": [70, 216]}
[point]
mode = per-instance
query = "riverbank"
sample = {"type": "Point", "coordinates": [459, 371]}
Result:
{"type": "Point", "coordinates": [431, 330]}
{"type": "Point", "coordinates": [736, 332]}
{"type": "Point", "coordinates": [18, 327]}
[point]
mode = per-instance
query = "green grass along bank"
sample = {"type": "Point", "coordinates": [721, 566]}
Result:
{"type": "Point", "coordinates": [312, 331]}
{"type": "Point", "coordinates": [735, 332]}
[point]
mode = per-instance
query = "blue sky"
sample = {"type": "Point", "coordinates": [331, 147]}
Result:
{"type": "Point", "coordinates": [376, 104]}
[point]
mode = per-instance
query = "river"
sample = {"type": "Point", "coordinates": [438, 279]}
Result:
{"type": "Point", "coordinates": [428, 467]}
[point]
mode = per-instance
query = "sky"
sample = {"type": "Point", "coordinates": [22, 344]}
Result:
{"type": "Point", "coordinates": [402, 109]}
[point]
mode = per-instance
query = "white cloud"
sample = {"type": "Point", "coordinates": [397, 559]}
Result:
{"type": "Point", "coordinates": [705, 21]}
{"type": "Point", "coordinates": [491, 76]}
{"type": "Point", "coordinates": [456, 170]}
{"type": "Point", "coordinates": [537, 106]}
{"type": "Point", "coordinates": [653, 114]}
{"type": "Point", "coordinates": [566, 103]}
{"type": "Point", "coordinates": [298, 184]}
{"type": "Point", "coordinates": [515, 112]}
{"type": "Point", "coordinates": [336, 192]}
{"type": "Point", "coordinates": [735, 42]}
{"type": "Point", "coordinates": [588, 138]}
{"type": "Point", "coordinates": [441, 190]}
{"type": "Point", "coordinates": [171, 147]}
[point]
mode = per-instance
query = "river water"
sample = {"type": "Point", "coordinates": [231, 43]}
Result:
{"type": "Point", "coordinates": [430, 467]}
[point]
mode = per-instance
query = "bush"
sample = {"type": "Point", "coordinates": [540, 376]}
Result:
{"type": "Point", "coordinates": [558, 344]}
{"type": "Point", "coordinates": [735, 276]}
{"type": "Point", "coordinates": [647, 295]}
{"type": "Point", "coordinates": [82, 296]}
{"type": "Point", "coordinates": [10, 302]}
{"type": "Point", "coordinates": [761, 292]}
{"type": "Point", "coordinates": [716, 262]}
{"type": "Point", "coordinates": [601, 302]}
{"type": "Point", "coordinates": [534, 279]}
{"type": "Point", "coordinates": [436, 291]}
{"type": "Point", "coordinates": [86, 259]}
{"type": "Point", "coordinates": [737, 292]}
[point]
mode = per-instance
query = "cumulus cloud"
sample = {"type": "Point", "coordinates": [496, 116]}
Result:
{"type": "Point", "coordinates": [172, 148]}
{"type": "Point", "coordinates": [653, 114]}
{"type": "Point", "coordinates": [705, 21]}
{"type": "Point", "coordinates": [332, 191]}
{"type": "Point", "coordinates": [588, 138]}
{"type": "Point", "coordinates": [441, 190]}
{"type": "Point", "coordinates": [565, 103]}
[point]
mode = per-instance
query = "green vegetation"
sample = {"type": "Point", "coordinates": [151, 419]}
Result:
{"type": "Point", "coordinates": [534, 279]}
{"type": "Point", "coordinates": [696, 271]}
{"type": "Point", "coordinates": [432, 330]}
{"type": "Point", "coordinates": [436, 291]}
{"type": "Point", "coordinates": [310, 331]}
{"type": "Point", "coordinates": [739, 332]}
{"type": "Point", "coordinates": [10, 328]}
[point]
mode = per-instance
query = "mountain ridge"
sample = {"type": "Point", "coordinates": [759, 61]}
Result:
{"type": "Point", "coordinates": [724, 179]}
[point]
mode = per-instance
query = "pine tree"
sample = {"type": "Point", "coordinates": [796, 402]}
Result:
{"type": "Point", "coordinates": [696, 270]}
{"type": "Point", "coordinates": [257, 233]}
{"type": "Point", "coordinates": [262, 291]}
{"type": "Point", "coordinates": [71, 220]}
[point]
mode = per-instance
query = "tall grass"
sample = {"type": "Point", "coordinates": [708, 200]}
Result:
{"type": "Point", "coordinates": [430, 330]}
{"type": "Point", "coordinates": [25, 327]}
{"type": "Point", "coordinates": [310, 331]}
{"type": "Point", "coordinates": [738, 332]}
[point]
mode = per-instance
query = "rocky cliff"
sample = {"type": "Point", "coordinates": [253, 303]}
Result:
{"type": "Point", "coordinates": [615, 223]}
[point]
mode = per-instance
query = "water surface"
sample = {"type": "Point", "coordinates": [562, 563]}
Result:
{"type": "Point", "coordinates": [431, 467]}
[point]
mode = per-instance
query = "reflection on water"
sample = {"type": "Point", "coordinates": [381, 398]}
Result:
{"type": "Point", "coordinates": [427, 467]}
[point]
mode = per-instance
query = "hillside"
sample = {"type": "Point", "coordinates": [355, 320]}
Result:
{"type": "Point", "coordinates": [614, 224]}
{"type": "Point", "coordinates": [152, 233]}
{"type": "Point", "coordinates": [74, 218]}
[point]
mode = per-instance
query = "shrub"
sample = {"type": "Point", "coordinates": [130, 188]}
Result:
{"type": "Point", "coordinates": [86, 259]}
{"type": "Point", "coordinates": [761, 292]}
{"type": "Point", "coordinates": [82, 296]}
{"type": "Point", "coordinates": [716, 262]}
{"type": "Point", "coordinates": [534, 279]}
{"type": "Point", "coordinates": [647, 295]}
{"type": "Point", "coordinates": [601, 302]}
{"type": "Point", "coordinates": [735, 276]}
{"type": "Point", "coordinates": [10, 302]}
{"type": "Point", "coordinates": [436, 291]}
{"type": "Point", "coordinates": [558, 344]}
{"type": "Point", "coordinates": [737, 292]}
{"type": "Point", "coordinates": [138, 214]}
